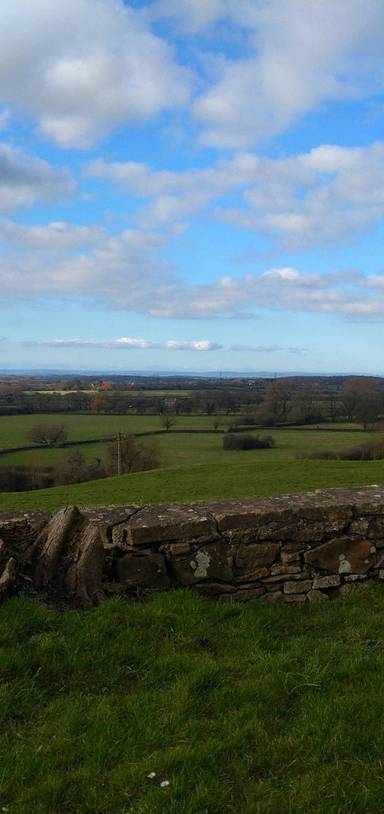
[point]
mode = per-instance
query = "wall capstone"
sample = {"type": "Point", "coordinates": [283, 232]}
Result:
{"type": "Point", "coordinates": [291, 548]}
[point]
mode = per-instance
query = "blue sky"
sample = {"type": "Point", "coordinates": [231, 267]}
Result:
{"type": "Point", "coordinates": [192, 184]}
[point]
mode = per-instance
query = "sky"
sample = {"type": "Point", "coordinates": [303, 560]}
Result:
{"type": "Point", "coordinates": [192, 185]}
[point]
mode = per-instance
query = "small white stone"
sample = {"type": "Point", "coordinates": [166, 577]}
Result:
{"type": "Point", "coordinates": [151, 775]}
{"type": "Point", "coordinates": [164, 784]}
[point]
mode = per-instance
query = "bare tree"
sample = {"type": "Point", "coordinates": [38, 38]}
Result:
{"type": "Point", "coordinates": [168, 421]}
{"type": "Point", "coordinates": [131, 456]}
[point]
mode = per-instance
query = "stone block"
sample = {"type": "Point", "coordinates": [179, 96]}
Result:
{"type": "Point", "coordinates": [253, 576]}
{"type": "Point", "coordinates": [298, 587]}
{"type": "Point", "coordinates": [143, 572]}
{"type": "Point", "coordinates": [250, 557]}
{"type": "Point", "coordinates": [341, 555]}
{"type": "Point", "coordinates": [213, 561]}
{"type": "Point", "coordinates": [157, 524]}
{"type": "Point", "coordinates": [284, 570]}
{"type": "Point", "coordinates": [289, 556]}
{"type": "Point", "coordinates": [331, 581]}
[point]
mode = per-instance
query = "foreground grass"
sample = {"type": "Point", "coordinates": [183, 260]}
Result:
{"type": "Point", "coordinates": [201, 483]}
{"type": "Point", "coordinates": [249, 709]}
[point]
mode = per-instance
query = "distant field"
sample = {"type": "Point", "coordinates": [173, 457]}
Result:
{"type": "Point", "coordinates": [127, 393]}
{"type": "Point", "coordinates": [179, 449]}
{"type": "Point", "coordinates": [13, 429]}
{"type": "Point", "coordinates": [202, 482]}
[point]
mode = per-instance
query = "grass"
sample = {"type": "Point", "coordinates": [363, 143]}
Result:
{"type": "Point", "coordinates": [179, 449]}
{"type": "Point", "coordinates": [13, 429]}
{"type": "Point", "coordinates": [249, 709]}
{"type": "Point", "coordinates": [201, 482]}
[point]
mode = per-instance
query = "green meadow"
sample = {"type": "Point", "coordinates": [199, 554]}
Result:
{"type": "Point", "coordinates": [193, 465]}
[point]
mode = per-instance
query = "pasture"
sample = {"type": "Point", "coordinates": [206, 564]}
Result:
{"type": "Point", "coordinates": [193, 466]}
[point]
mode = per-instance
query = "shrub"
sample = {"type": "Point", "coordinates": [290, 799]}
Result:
{"type": "Point", "coordinates": [240, 442]}
{"type": "Point", "coordinates": [369, 451]}
{"type": "Point", "coordinates": [49, 435]}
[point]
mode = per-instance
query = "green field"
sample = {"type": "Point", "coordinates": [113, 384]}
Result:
{"type": "Point", "coordinates": [192, 466]}
{"type": "Point", "coordinates": [201, 482]}
{"type": "Point", "coordinates": [13, 429]}
{"type": "Point", "coordinates": [241, 709]}
{"type": "Point", "coordinates": [179, 449]}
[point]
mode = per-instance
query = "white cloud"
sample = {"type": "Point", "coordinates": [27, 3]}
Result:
{"type": "Point", "coordinates": [326, 195]}
{"type": "Point", "coordinates": [305, 53]}
{"type": "Point", "coordinates": [25, 179]}
{"type": "Point", "coordinates": [55, 236]}
{"type": "Point", "coordinates": [125, 270]}
{"type": "Point", "coordinates": [83, 67]}
{"type": "Point", "coordinates": [130, 343]}
{"type": "Point", "coordinates": [348, 294]}
{"type": "Point", "coordinates": [128, 272]}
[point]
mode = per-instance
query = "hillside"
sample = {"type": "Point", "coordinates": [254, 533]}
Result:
{"type": "Point", "coordinates": [185, 484]}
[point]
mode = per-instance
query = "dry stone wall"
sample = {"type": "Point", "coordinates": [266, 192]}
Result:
{"type": "Point", "coordinates": [292, 549]}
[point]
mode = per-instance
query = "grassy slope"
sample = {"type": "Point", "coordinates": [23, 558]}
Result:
{"type": "Point", "coordinates": [249, 709]}
{"type": "Point", "coordinates": [202, 482]}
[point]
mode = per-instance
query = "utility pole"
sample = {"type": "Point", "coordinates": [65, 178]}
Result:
{"type": "Point", "coordinates": [119, 467]}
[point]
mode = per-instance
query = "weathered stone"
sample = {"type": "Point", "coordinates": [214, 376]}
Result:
{"type": "Point", "coordinates": [75, 554]}
{"type": "Point", "coordinates": [297, 587]}
{"type": "Point", "coordinates": [253, 576]}
{"type": "Point", "coordinates": [176, 549]}
{"type": "Point", "coordinates": [8, 576]}
{"type": "Point", "coordinates": [355, 577]}
{"type": "Point", "coordinates": [157, 524]}
{"type": "Point", "coordinates": [307, 528]}
{"type": "Point", "coordinates": [284, 570]}
{"type": "Point", "coordinates": [331, 581]}
{"type": "Point", "coordinates": [300, 575]}
{"type": "Point", "coordinates": [343, 556]}
{"type": "Point", "coordinates": [143, 572]}
{"type": "Point", "coordinates": [84, 577]}
{"type": "Point", "coordinates": [53, 542]}
{"type": "Point", "coordinates": [212, 561]}
{"type": "Point", "coordinates": [108, 518]}
{"type": "Point", "coordinates": [249, 557]}
{"type": "Point", "coordinates": [289, 556]}
{"type": "Point", "coordinates": [317, 596]}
